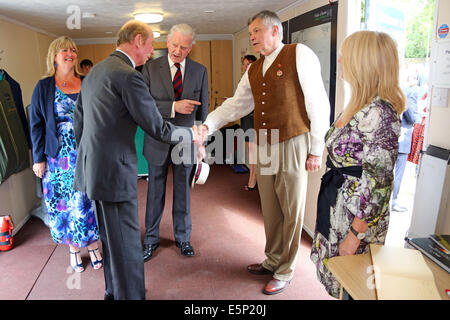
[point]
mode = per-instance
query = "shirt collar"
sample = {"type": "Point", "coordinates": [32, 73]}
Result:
{"type": "Point", "coordinates": [132, 61]}
{"type": "Point", "coordinates": [273, 55]}
{"type": "Point", "coordinates": [171, 63]}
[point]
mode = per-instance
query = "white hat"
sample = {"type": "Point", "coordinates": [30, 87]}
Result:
{"type": "Point", "coordinates": [199, 173]}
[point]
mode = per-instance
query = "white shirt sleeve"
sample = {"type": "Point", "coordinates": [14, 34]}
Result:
{"type": "Point", "coordinates": [316, 98]}
{"type": "Point", "coordinates": [236, 107]}
{"type": "Point", "coordinates": [172, 113]}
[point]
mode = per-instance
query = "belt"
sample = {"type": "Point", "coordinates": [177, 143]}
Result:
{"type": "Point", "coordinates": [332, 180]}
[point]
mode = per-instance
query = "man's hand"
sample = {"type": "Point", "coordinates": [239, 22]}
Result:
{"type": "Point", "coordinates": [201, 153]}
{"type": "Point", "coordinates": [313, 163]}
{"type": "Point", "coordinates": [39, 168]}
{"type": "Point", "coordinates": [198, 138]}
{"type": "Point", "coordinates": [204, 131]}
{"type": "Point", "coordinates": [185, 106]}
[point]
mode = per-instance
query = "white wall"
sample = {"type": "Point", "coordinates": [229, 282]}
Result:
{"type": "Point", "coordinates": [439, 126]}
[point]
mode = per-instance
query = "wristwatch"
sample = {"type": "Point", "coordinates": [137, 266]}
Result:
{"type": "Point", "coordinates": [359, 235]}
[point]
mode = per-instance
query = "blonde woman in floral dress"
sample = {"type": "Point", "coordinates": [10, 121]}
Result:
{"type": "Point", "coordinates": [362, 145]}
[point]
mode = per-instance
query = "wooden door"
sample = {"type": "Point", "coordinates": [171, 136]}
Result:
{"type": "Point", "coordinates": [201, 53]}
{"type": "Point", "coordinates": [222, 71]}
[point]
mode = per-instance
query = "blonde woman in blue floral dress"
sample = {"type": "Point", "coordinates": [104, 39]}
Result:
{"type": "Point", "coordinates": [362, 145]}
{"type": "Point", "coordinates": [72, 219]}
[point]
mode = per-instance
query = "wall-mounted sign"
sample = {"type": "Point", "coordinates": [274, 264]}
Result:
{"type": "Point", "coordinates": [441, 64]}
{"type": "Point", "coordinates": [317, 29]}
{"type": "Point", "coordinates": [443, 31]}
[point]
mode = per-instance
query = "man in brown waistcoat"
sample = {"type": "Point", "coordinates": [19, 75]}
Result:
{"type": "Point", "coordinates": [291, 113]}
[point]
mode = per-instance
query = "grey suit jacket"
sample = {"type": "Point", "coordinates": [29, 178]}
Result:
{"type": "Point", "coordinates": [113, 101]}
{"type": "Point", "coordinates": [195, 87]}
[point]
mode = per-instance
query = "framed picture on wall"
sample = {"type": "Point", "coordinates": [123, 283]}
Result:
{"type": "Point", "coordinates": [317, 29]}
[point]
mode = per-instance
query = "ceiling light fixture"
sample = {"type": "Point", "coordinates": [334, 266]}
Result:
{"type": "Point", "coordinates": [88, 15]}
{"type": "Point", "coordinates": [149, 17]}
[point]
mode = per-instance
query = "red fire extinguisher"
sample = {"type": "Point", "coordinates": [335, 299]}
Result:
{"type": "Point", "coordinates": [6, 238]}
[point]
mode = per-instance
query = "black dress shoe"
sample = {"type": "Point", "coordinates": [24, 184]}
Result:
{"type": "Point", "coordinates": [186, 248]}
{"type": "Point", "coordinates": [108, 296]}
{"type": "Point", "coordinates": [148, 250]}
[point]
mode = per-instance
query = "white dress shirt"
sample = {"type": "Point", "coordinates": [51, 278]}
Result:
{"type": "Point", "coordinates": [173, 70]}
{"type": "Point", "coordinates": [132, 61]}
{"type": "Point", "coordinates": [316, 98]}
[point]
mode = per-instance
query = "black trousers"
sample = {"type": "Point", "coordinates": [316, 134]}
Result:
{"type": "Point", "coordinates": [181, 204]}
{"type": "Point", "coordinates": [122, 249]}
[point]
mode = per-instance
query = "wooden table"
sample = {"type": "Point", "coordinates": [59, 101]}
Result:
{"type": "Point", "coordinates": [355, 274]}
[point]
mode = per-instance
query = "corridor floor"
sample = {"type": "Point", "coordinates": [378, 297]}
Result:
{"type": "Point", "coordinates": [228, 234]}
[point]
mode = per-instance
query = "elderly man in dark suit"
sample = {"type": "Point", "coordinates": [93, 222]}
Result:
{"type": "Point", "coordinates": [180, 88]}
{"type": "Point", "coordinates": [114, 100]}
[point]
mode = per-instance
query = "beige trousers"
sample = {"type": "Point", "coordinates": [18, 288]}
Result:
{"type": "Point", "coordinates": [282, 184]}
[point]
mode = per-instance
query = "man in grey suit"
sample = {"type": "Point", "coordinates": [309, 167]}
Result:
{"type": "Point", "coordinates": [180, 88]}
{"type": "Point", "coordinates": [114, 99]}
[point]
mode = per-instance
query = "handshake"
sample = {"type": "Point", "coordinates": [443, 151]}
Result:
{"type": "Point", "coordinates": [200, 136]}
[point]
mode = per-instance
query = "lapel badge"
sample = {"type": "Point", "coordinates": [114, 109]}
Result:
{"type": "Point", "coordinates": [279, 72]}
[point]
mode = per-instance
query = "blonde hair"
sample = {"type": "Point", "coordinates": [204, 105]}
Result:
{"type": "Point", "coordinates": [130, 30]}
{"type": "Point", "coordinates": [57, 45]}
{"type": "Point", "coordinates": [370, 65]}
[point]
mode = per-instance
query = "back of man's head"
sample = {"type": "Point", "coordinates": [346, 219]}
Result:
{"type": "Point", "coordinates": [130, 30]}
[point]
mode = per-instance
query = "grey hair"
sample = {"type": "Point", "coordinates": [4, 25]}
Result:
{"type": "Point", "coordinates": [183, 29]}
{"type": "Point", "coordinates": [269, 19]}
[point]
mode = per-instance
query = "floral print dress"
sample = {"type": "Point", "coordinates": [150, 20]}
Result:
{"type": "Point", "coordinates": [370, 140]}
{"type": "Point", "coordinates": [71, 214]}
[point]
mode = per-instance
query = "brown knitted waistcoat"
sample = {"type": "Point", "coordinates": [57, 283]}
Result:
{"type": "Point", "coordinates": [278, 96]}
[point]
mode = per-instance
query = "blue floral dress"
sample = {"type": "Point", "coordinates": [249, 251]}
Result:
{"type": "Point", "coordinates": [370, 140]}
{"type": "Point", "coordinates": [71, 214]}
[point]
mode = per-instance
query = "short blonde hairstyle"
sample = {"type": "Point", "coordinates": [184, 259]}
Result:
{"type": "Point", "coordinates": [57, 45]}
{"type": "Point", "coordinates": [130, 30]}
{"type": "Point", "coordinates": [370, 65]}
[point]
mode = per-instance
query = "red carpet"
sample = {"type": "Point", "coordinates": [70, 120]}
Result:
{"type": "Point", "coordinates": [228, 234]}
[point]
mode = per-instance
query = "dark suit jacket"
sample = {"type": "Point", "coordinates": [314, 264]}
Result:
{"type": "Point", "coordinates": [17, 93]}
{"type": "Point", "coordinates": [43, 122]}
{"type": "Point", "coordinates": [195, 87]}
{"type": "Point", "coordinates": [114, 100]}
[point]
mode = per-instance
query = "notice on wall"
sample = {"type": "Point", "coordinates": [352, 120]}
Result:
{"type": "Point", "coordinates": [318, 40]}
{"type": "Point", "coordinates": [441, 64]}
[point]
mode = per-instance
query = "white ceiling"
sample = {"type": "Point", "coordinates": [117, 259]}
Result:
{"type": "Point", "coordinates": [50, 16]}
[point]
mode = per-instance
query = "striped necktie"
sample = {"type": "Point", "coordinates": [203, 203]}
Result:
{"type": "Point", "coordinates": [177, 83]}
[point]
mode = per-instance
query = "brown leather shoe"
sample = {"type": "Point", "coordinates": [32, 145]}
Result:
{"type": "Point", "coordinates": [275, 286]}
{"type": "Point", "coordinates": [258, 269]}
